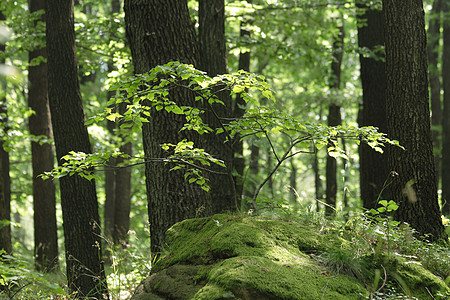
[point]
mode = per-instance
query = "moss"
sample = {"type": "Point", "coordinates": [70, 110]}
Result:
{"type": "Point", "coordinates": [175, 282]}
{"type": "Point", "coordinates": [420, 281]}
{"type": "Point", "coordinates": [263, 278]}
{"type": "Point", "coordinates": [236, 257]}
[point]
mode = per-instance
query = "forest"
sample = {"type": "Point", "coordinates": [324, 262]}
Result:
{"type": "Point", "coordinates": [212, 149]}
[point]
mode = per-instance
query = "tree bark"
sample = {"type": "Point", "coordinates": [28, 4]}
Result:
{"type": "Point", "coordinates": [334, 119]}
{"type": "Point", "coordinates": [117, 180]}
{"type": "Point", "coordinates": [446, 113]}
{"type": "Point", "coordinates": [122, 205]}
{"type": "Point", "coordinates": [373, 165]}
{"type": "Point", "coordinates": [238, 111]}
{"type": "Point", "coordinates": [408, 117]}
{"type": "Point", "coordinates": [85, 273]}
{"type": "Point", "coordinates": [434, 36]}
{"type": "Point", "coordinates": [43, 157]}
{"type": "Point", "coordinates": [213, 60]}
{"type": "Point", "coordinates": [159, 32]}
{"type": "Point", "coordinates": [5, 185]}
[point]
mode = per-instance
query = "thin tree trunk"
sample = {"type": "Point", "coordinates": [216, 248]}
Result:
{"type": "Point", "coordinates": [334, 119]}
{"type": "Point", "coordinates": [253, 170]}
{"type": "Point", "coordinates": [122, 205]}
{"type": "Point", "coordinates": [111, 184]}
{"type": "Point", "coordinates": [238, 112]}
{"type": "Point", "coordinates": [414, 189]}
{"type": "Point", "coordinates": [293, 185]}
{"type": "Point", "coordinates": [318, 192]}
{"type": "Point", "coordinates": [85, 272]}
{"type": "Point", "coordinates": [43, 157]}
{"type": "Point", "coordinates": [434, 36]}
{"type": "Point", "coordinates": [5, 189]}
{"type": "Point", "coordinates": [373, 168]}
{"type": "Point", "coordinates": [446, 113]}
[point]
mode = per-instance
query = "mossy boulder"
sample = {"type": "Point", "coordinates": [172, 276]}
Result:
{"type": "Point", "coordinates": [240, 257]}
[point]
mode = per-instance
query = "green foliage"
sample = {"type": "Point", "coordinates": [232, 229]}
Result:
{"type": "Point", "coordinates": [149, 93]}
{"type": "Point", "coordinates": [19, 280]}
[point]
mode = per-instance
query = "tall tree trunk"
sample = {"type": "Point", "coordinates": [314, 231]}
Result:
{"type": "Point", "coordinates": [5, 186]}
{"type": "Point", "coordinates": [213, 60]}
{"type": "Point", "coordinates": [446, 113]}
{"type": "Point", "coordinates": [434, 36]}
{"type": "Point", "coordinates": [159, 32]}
{"type": "Point", "coordinates": [334, 119]}
{"type": "Point", "coordinates": [122, 205]}
{"type": "Point", "coordinates": [112, 182]}
{"type": "Point", "coordinates": [408, 117]}
{"type": "Point", "coordinates": [85, 273]}
{"type": "Point", "coordinates": [43, 157]}
{"type": "Point", "coordinates": [373, 165]}
{"type": "Point", "coordinates": [238, 112]}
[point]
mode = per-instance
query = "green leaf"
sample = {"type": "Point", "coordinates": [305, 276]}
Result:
{"type": "Point", "coordinates": [383, 202]}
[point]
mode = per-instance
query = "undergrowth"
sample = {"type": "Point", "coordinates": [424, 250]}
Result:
{"type": "Point", "coordinates": [374, 243]}
{"type": "Point", "coordinates": [127, 266]}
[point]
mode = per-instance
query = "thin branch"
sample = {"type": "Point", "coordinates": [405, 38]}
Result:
{"type": "Point", "coordinates": [270, 142]}
{"type": "Point", "coordinates": [283, 158]}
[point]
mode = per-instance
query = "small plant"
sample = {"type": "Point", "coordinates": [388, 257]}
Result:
{"type": "Point", "coordinates": [383, 215]}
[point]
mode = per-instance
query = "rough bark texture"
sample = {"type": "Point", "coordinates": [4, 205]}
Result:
{"type": "Point", "coordinates": [373, 165]}
{"type": "Point", "coordinates": [85, 271]}
{"type": "Point", "coordinates": [334, 119]}
{"type": "Point", "coordinates": [238, 112]}
{"type": "Point", "coordinates": [43, 158]}
{"type": "Point", "coordinates": [122, 185]}
{"type": "Point", "coordinates": [434, 36]}
{"type": "Point", "coordinates": [159, 32]}
{"type": "Point", "coordinates": [117, 180]}
{"type": "Point", "coordinates": [408, 117]}
{"type": "Point", "coordinates": [5, 186]}
{"type": "Point", "coordinates": [446, 114]}
{"type": "Point", "coordinates": [213, 60]}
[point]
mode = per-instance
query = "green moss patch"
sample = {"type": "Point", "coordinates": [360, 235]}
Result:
{"type": "Point", "coordinates": [236, 257]}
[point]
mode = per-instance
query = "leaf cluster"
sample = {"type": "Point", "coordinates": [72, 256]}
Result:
{"type": "Point", "coordinates": [150, 93]}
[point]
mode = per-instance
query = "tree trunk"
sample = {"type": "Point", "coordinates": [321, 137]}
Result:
{"type": "Point", "coordinates": [43, 157]}
{"type": "Point", "coordinates": [334, 119]}
{"type": "Point", "coordinates": [253, 170]}
{"type": "Point", "coordinates": [446, 113]}
{"type": "Point", "coordinates": [293, 185]}
{"type": "Point", "coordinates": [85, 273]}
{"type": "Point", "coordinates": [213, 60]}
{"type": "Point", "coordinates": [117, 181]}
{"type": "Point", "coordinates": [238, 112]}
{"type": "Point", "coordinates": [122, 205]}
{"type": "Point", "coordinates": [408, 117]}
{"type": "Point", "coordinates": [317, 180]}
{"type": "Point", "coordinates": [5, 186]}
{"type": "Point", "coordinates": [159, 32]}
{"type": "Point", "coordinates": [373, 165]}
{"type": "Point", "coordinates": [434, 36]}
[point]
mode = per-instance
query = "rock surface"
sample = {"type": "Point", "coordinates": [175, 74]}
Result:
{"type": "Point", "coordinates": [236, 257]}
